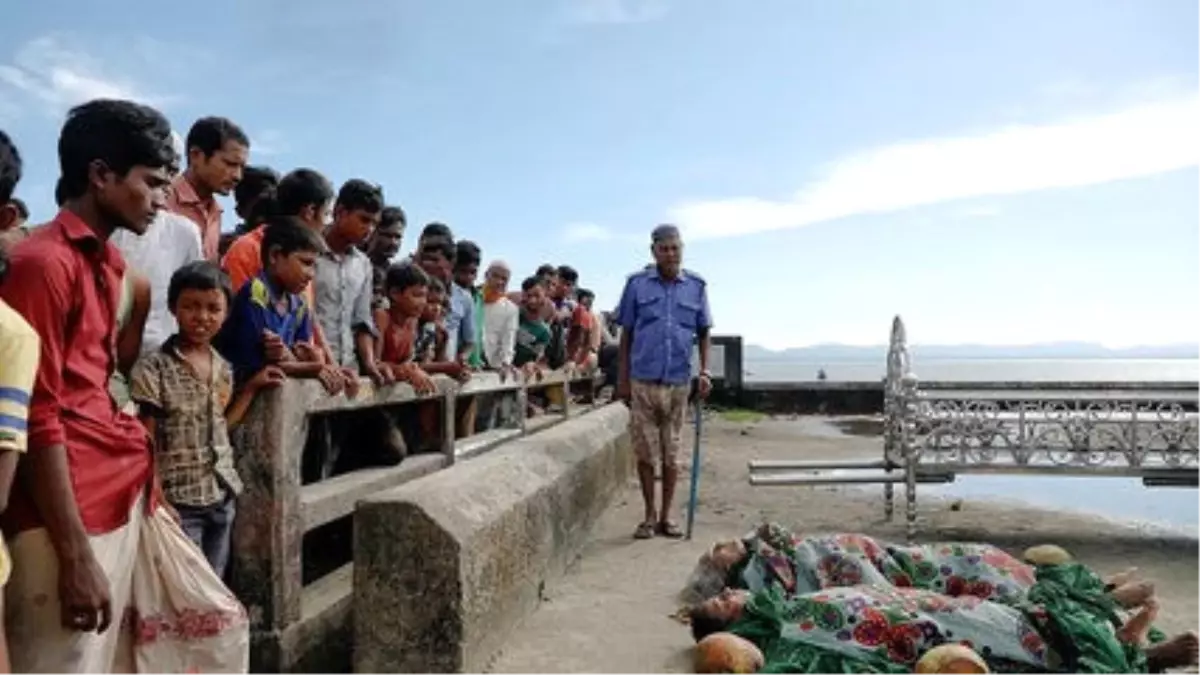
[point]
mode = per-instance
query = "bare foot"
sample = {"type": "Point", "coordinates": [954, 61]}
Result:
{"type": "Point", "coordinates": [1122, 578]}
{"type": "Point", "coordinates": [1178, 652]}
{"type": "Point", "coordinates": [1134, 630]}
{"type": "Point", "coordinates": [1132, 595]}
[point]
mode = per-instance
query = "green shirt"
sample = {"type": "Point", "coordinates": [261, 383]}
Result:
{"type": "Point", "coordinates": [532, 338]}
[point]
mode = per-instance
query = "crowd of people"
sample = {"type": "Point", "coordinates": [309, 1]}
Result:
{"type": "Point", "coordinates": [135, 334]}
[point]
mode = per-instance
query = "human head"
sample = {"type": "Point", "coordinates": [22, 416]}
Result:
{"type": "Point", "coordinates": [199, 295]}
{"type": "Point", "coordinates": [727, 653]}
{"type": "Point", "coordinates": [384, 243]}
{"type": "Point", "coordinates": [357, 209]}
{"type": "Point", "coordinates": [217, 150]}
{"type": "Point", "coordinates": [432, 232]}
{"type": "Point", "coordinates": [289, 253]}
{"type": "Point", "coordinates": [305, 194]}
{"type": "Point", "coordinates": [435, 307]}
{"type": "Point", "coordinates": [585, 298]}
{"type": "Point", "coordinates": [497, 276]}
{"type": "Point", "coordinates": [436, 257]}
{"type": "Point", "coordinates": [257, 182]}
{"type": "Point", "coordinates": [11, 168]}
{"type": "Point", "coordinates": [567, 278]}
{"type": "Point", "coordinates": [407, 288]}
{"type": "Point", "coordinates": [717, 613]}
{"type": "Point", "coordinates": [533, 295]}
{"type": "Point", "coordinates": [467, 257]}
{"type": "Point", "coordinates": [117, 158]}
{"type": "Point", "coordinates": [667, 248]}
{"type": "Point", "coordinates": [728, 554]}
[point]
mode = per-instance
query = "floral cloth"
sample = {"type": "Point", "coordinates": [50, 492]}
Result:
{"type": "Point", "coordinates": [807, 564]}
{"type": "Point", "coordinates": [886, 629]}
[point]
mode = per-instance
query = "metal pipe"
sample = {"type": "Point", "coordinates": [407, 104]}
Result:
{"type": "Point", "coordinates": [817, 465]}
{"type": "Point", "coordinates": [877, 478]}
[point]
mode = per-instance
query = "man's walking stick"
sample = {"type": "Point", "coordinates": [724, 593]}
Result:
{"type": "Point", "coordinates": [691, 515]}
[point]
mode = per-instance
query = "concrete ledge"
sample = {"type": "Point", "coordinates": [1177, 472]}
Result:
{"type": "Point", "coordinates": [446, 566]}
{"type": "Point", "coordinates": [330, 499]}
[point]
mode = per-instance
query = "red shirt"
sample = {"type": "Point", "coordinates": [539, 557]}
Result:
{"type": "Point", "coordinates": [66, 282]}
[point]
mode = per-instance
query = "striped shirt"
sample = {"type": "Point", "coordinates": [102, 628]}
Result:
{"type": "Point", "coordinates": [19, 348]}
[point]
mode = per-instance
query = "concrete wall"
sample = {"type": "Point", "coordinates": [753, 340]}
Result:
{"type": "Point", "coordinates": [446, 566]}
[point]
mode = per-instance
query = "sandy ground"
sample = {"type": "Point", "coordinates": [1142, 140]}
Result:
{"type": "Point", "coordinates": [611, 611]}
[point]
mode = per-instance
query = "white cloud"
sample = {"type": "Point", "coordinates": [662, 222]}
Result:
{"type": "Point", "coordinates": [1142, 140]}
{"type": "Point", "coordinates": [608, 12]}
{"type": "Point", "coordinates": [58, 77]}
{"type": "Point", "coordinates": [269, 142]}
{"type": "Point", "coordinates": [582, 232]}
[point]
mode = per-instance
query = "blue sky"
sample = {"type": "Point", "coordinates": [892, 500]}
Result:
{"type": "Point", "coordinates": [997, 171]}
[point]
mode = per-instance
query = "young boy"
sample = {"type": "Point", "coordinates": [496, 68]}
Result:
{"type": "Point", "coordinates": [343, 280]}
{"type": "Point", "coordinates": [408, 291]}
{"type": "Point", "coordinates": [269, 322]}
{"type": "Point", "coordinates": [430, 343]}
{"type": "Point", "coordinates": [457, 321]}
{"type": "Point", "coordinates": [533, 333]}
{"type": "Point", "coordinates": [184, 393]}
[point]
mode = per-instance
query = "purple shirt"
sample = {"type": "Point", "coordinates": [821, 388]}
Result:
{"type": "Point", "coordinates": [665, 316]}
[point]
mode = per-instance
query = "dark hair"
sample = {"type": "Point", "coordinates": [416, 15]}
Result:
{"type": "Point", "coordinates": [392, 215]}
{"type": "Point", "coordinates": [435, 284]}
{"type": "Point", "coordinates": [568, 274]}
{"type": "Point", "coordinates": [359, 195]}
{"type": "Point", "coordinates": [60, 192]}
{"type": "Point", "coordinates": [256, 182]}
{"type": "Point", "coordinates": [21, 208]}
{"type": "Point", "coordinates": [122, 134]}
{"type": "Point", "coordinates": [210, 134]}
{"type": "Point", "coordinates": [704, 623]}
{"type": "Point", "coordinates": [436, 229]}
{"type": "Point", "coordinates": [546, 270]}
{"type": "Point", "coordinates": [287, 235]}
{"type": "Point", "coordinates": [200, 275]}
{"type": "Point", "coordinates": [530, 283]}
{"type": "Point", "coordinates": [467, 253]}
{"type": "Point", "coordinates": [581, 293]}
{"type": "Point", "coordinates": [442, 246]}
{"type": "Point", "coordinates": [298, 189]}
{"type": "Point", "coordinates": [10, 168]}
{"type": "Point", "coordinates": [403, 276]}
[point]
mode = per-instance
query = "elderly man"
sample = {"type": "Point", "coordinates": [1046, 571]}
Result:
{"type": "Point", "coordinates": [663, 309]}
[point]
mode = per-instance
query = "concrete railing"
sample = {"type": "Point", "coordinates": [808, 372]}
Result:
{"type": "Point", "coordinates": [306, 626]}
{"type": "Point", "coordinates": [445, 568]}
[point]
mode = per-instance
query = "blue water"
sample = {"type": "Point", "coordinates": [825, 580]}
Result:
{"type": "Point", "coordinates": [1123, 499]}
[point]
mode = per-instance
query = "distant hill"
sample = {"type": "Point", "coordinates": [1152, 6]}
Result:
{"type": "Point", "coordinates": [1048, 350]}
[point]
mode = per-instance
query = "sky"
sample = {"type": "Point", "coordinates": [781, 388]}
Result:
{"type": "Point", "coordinates": [994, 171]}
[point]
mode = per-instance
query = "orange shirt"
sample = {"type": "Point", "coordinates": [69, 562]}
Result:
{"type": "Point", "coordinates": [182, 199]}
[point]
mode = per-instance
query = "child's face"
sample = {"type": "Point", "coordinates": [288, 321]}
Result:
{"type": "Point", "coordinates": [316, 216]}
{"type": "Point", "coordinates": [200, 314]}
{"type": "Point", "coordinates": [435, 305]}
{"type": "Point", "coordinates": [435, 264]}
{"type": "Point", "coordinates": [293, 271]}
{"type": "Point", "coordinates": [355, 225]}
{"type": "Point", "coordinates": [411, 301]}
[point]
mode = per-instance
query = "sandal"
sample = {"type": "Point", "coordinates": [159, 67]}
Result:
{"type": "Point", "coordinates": [644, 530]}
{"type": "Point", "coordinates": [668, 529]}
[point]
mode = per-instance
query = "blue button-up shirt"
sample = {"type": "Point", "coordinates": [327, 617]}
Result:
{"type": "Point", "coordinates": [664, 315]}
{"type": "Point", "coordinates": [460, 320]}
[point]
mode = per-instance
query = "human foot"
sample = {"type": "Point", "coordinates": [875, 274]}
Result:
{"type": "Point", "coordinates": [1130, 595]}
{"type": "Point", "coordinates": [645, 530]}
{"type": "Point", "coordinates": [1178, 652]}
{"type": "Point", "coordinates": [670, 530]}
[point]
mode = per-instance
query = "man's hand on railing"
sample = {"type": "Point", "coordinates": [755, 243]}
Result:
{"type": "Point", "coordinates": [273, 348]}
{"type": "Point", "coordinates": [307, 351]}
{"type": "Point", "coordinates": [506, 372]}
{"type": "Point", "coordinates": [350, 382]}
{"type": "Point", "coordinates": [331, 378]}
{"type": "Point", "coordinates": [459, 371]}
{"type": "Point", "coordinates": [380, 374]}
{"type": "Point", "coordinates": [532, 372]}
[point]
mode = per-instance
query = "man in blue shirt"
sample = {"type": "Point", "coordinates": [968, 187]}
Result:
{"type": "Point", "coordinates": [663, 310]}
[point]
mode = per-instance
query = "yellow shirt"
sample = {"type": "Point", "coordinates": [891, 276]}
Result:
{"type": "Point", "coordinates": [19, 350]}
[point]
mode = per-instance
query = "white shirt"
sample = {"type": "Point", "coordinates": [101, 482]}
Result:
{"type": "Point", "coordinates": [171, 242]}
{"type": "Point", "coordinates": [500, 321]}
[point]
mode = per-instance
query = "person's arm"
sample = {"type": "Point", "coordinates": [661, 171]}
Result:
{"type": "Point", "coordinates": [41, 291]}
{"type": "Point", "coordinates": [301, 367]}
{"type": "Point", "coordinates": [235, 413]}
{"type": "Point", "coordinates": [508, 335]}
{"type": "Point", "coordinates": [366, 332]}
{"type": "Point", "coordinates": [466, 332]}
{"type": "Point", "coordinates": [129, 339]}
{"type": "Point", "coordinates": [626, 318]}
{"type": "Point", "coordinates": [704, 328]}
{"type": "Point", "coordinates": [19, 354]}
